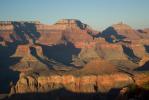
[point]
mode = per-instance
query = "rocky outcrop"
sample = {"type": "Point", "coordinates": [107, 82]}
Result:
{"type": "Point", "coordinates": [111, 51]}
{"type": "Point", "coordinates": [70, 29]}
{"type": "Point", "coordinates": [71, 23]}
{"type": "Point", "coordinates": [139, 50]}
{"type": "Point", "coordinates": [141, 79]}
{"type": "Point", "coordinates": [137, 91]}
{"type": "Point", "coordinates": [31, 59]}
{"type": "Point", "coordinates": [88, 51]}
{"type": "Point", "coordinates": [143, 60]}
{"type": "Point", "coordinates": [22, 32]}
{"type": "Point", "coordinates": [95, 66]}
{"type": "Point", "coordinates": [80, 35]}
{"type": "Point", "coordinates": [26, 50]}
{"type": "Point", "coordinates": [132, 41]}
{"type": "Point", "coordinates": [85, 84]}
{"type": "Point", "coordinates": [120, 31]}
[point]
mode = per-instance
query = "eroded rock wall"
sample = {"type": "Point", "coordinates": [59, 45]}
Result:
{"type": "Point", "coordinates": [82, 84]}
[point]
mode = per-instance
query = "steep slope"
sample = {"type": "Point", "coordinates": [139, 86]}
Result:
{"type": "Point", "coordinates": [47, 37]}
{"type": "Point", "coordinates": [81, 84]}
{"type": "Point", "coordinates": [31, 59]}
{"type": "Point", "coordinates": [119, 32]}
{"type": "Point", "coordinates": [21, 32]}
{"type": "Point", "coordinates": [98, 66]}
{"type": "Point", "coordinates": [70, 29]}
{"type": "Point", "coordinates": [144, 33]}
{"type": "Point", "coordinates": [28, 32]}
{"type": "Point", "coordinates": [132, 41]}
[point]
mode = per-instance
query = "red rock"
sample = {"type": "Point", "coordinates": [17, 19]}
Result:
{"type": "Point", "coordinates": [83, 84]}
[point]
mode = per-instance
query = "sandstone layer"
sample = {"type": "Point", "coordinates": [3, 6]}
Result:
{"type": "Point", "coordinates": [82, 84]}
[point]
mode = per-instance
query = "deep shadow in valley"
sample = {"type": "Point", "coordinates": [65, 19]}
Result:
{"type": "Point", "coordinates": [63, 94]}
{"type": "Point", "coordinates": [62, 53]}
{"type": "Point", "coordinates": [6, 74]}
{"type": "Point", "coordinates": [147, 48]}
{"type": "Point", "coordinates": [24, 32]}
{"type": "Point", "coordinates": [145, 67]}
{"type": "Point", "coordinates": [41, 59]}
{"type": "Point", "coordinates": [109, 32]}
{"type": "Point", "coordinates": [131, 56]}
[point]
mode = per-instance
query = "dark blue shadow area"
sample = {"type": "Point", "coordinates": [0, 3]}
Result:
{"type": "Point", "coordinates": [147, 48]}
{"type": "Point", "coordinates": [41, 59]}
{"type": "Point", "coordinates": [23, 31]}
{"type": "Point", "coordinates": [131, 56]}
{"type": "Point", "coordinates": [145, 67]}
{"type": "Point", "coordinates": [109, 32]}
{"type": "Point", "coordinates": [6, 74]}
{"type": "Point", "coordinates": [63, 94]}
{"type": "Point", "coordinates": [61, 53]}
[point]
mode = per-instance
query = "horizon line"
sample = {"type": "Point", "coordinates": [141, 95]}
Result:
{"type": "Point", "coordinates": [42, 22]}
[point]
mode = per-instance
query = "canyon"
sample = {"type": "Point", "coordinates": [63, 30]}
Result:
{"type": "Point", "coordinates": [71, 57]}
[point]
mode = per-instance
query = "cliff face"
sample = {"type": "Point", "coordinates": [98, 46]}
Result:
{"type": "Point", "coordinates": [139, 90]}
{"type": "Point", "coordinates": [82, 84]}
{"type": "Point", "coordinates": [128, 44]}
{"type": "Point", "coordinates": [111, 51]}
{"type": "Point", "coordinates": [25, 32]}
{"type": "Point", "coordinates": [70, 29]}
{"type": "Point", "coordinates": [84, 87]}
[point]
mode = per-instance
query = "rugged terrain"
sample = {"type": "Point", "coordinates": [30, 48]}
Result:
{"type": "Point", "coordinates": [69, 56]}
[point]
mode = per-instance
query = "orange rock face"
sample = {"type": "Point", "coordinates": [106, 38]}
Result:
{"type": "Point", "coordinates": [126, 31]}
{"type": "Point", "coordinates": [141, 79]}
{"type": "Point", "coordinates": [111, 51]}
{"type": "Point", "coordinates": [98, 66]}
{"type": "Point", "coordinates": [85, 84]}
{"type": "Point", "coordinates": [24, 51]}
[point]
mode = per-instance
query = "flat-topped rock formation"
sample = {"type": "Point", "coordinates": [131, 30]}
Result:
{"type": "Point", "coordinates": [72, 23]}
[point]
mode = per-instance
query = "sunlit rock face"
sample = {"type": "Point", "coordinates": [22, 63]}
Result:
{"type": "Point", "coordinates": [67, 29]}
{"type": "Point", "coordinates": [27, 50]}
{"type": "Point", "coordinates": [82, 84]}
{"type": "Point", "coordinates": [71, 23]}
{"type": "Point", "coordinates": [111, 51]}
{"type": "Point", "coordinates": [28, 58]}
{"type": "Point", "coordinates": [131, 42]}
{"type": "Point", "coordinates": [138, 90]}
{"type": "Point", "coordinates": [139, 50]}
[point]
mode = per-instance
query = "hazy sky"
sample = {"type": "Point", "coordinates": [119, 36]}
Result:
{"type": "Point", "coordinates": [99, 14]}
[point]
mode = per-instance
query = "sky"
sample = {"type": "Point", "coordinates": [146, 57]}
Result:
{"type": "Point", "coordinates": [99, 14]}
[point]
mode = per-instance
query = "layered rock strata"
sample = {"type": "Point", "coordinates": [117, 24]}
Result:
{"type": "Point", "coordinates": [82, 84]}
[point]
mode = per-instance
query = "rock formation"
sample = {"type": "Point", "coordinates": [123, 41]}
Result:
{"type": "Point", "coordinates": [86, 84]}
{"type": "Point", "coordinates": [119, 32]}
{"type": "Point", "coordinates": [71, 55]}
